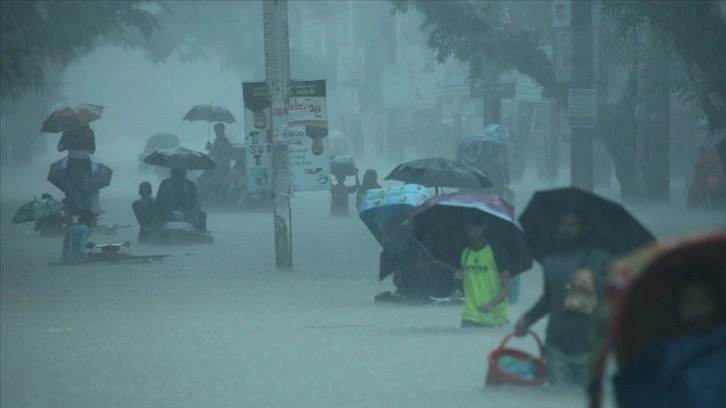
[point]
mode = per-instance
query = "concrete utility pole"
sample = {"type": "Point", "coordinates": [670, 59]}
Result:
{"type": "Point", "coordinates": [583, 77]}
{"type": "Point", "coordinates": [277, 76]}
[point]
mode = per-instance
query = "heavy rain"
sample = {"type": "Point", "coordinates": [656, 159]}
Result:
{"type": "Point", "coordinates": [362, 203]}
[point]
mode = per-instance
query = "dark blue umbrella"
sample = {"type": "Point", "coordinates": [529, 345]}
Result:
{"type": "Point", "coordinates": [100, 173]}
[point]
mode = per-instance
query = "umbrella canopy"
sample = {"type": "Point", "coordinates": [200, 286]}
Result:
{"type": "Point", "coordinates": [609, 224]}
{"type": "Point", "coordinates": [641, 289]}
{"type": "Point", "coordinates": [498, 134]}
{"type": "Point", "coordinates": [439, 227]}
{"type": "Point", "coordinates": [71, 117]}
{"type": "Point", "coordinates": [180, 158]}
{"type": "Point", "coordinates": [100, 174]}
{"type": "Point", "coordinates": [37, 209]}
{"type": "Point", "coordinates": [209, 113]}
{"type": "Point", "coordinates": [379, 207]}
{"type": "Point", "coordinates": [439, 172]}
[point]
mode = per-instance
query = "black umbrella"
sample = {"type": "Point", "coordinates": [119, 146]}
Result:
{"type": "Point", "coordinates": [439, 227]}
{"type": "Point", "coordinates": [100, 174]}
{"type": "Point", "coordinates": [180, 158]}
{"type": "Point", "coordinates": [209, 113]}
{"type": "Point", "coordinates": [439, 172]}
{"type": "Point", "coordinates": [609, 224]}
{"type": "Point", "coordinates": [71, 117]}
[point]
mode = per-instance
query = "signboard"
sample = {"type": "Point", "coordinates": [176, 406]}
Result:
{"type": "Point", "coordinates": [306, 138]}
{"type": "Point", "coordinates": [258, 137]}
{"type": "Point", "coordinates": [582, 108]}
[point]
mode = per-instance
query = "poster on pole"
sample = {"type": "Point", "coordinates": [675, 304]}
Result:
{"type": "Point", "coordinates": [258, 137]}
{"type": "Point", "coordinates": [582, 108]}
{"type": "Point", "coordinates": [309, 156]}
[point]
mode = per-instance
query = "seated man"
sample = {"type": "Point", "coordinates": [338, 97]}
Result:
{"type": "Point", "coordinates": [178, 193]}
{"type": "Point", "coordinates": [76, 239]}
{"type": "Point", "coordinates": [145, 212]}
{"type": "Point", "coordinates": [51, 225]}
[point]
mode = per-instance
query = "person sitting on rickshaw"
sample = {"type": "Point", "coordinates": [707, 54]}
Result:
{"type": "Point", "coordinates": [178, 193]}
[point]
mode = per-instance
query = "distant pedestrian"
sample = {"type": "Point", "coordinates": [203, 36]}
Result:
{"type": "Point", "coordinates": [339, 193]}
{"type": "Point", "coordinates": [370, 182]}
{"type": "Point", "coordinates": [146, 212]}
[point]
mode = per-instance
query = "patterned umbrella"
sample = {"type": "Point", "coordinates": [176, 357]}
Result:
{"type": "Point", "coordinates": [71, 117]}
{"type": "Point", "coordinates": [439, 227]}
{"type": "Point", "coordinates": [640, 293]}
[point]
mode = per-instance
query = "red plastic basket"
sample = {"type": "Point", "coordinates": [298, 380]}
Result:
{"type": "Point", "coordinates": [497, 376]}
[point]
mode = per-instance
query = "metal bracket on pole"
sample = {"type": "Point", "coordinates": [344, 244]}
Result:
{"type": "Point", "coordinates": [277, 77]}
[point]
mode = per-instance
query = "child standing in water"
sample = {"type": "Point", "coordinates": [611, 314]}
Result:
{"type": "Point", "coordinates": [485, 277]}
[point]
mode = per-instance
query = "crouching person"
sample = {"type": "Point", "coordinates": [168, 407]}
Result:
{"type": "Point", "coordinates": [76, 237]}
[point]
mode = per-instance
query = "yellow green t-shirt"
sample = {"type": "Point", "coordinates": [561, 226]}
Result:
{"type": "Point", "coordinates": [481, 284]}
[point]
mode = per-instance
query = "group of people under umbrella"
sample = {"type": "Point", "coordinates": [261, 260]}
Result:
{"type": "Point", "coordinates": [661, 310]}
{"type": "Point", "coordinates": [80, 176]}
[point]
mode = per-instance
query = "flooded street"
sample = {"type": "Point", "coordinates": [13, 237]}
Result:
{"type": "Point", "coordinates": [218, 326]}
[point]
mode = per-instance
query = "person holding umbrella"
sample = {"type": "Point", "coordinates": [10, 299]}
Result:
{"type": "Point", "coordinates": [485, 278]}
{"type": "Point", "coordinates": [177, 194]}
{"type": "Point", "coordinates": [575, 235]}
{"type": "Point", "coordinates": [220, 151]}
{"type": "Point", "coordinates": [80, 144]}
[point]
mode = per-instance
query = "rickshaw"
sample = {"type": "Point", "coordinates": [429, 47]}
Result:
{"type": "Point", "coordinates": [487, 152]}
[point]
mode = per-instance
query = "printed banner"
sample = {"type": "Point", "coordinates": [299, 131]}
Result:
{"type": "Point", "coordinates": [258, 137]}
{"type": "Point", "coordinates": [307, 140]}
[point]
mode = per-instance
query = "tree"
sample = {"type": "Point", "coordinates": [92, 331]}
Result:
{"type": "Point", "coordinates": [39, 39]}
{"type": "Point", "coordinates": [468, 30]}
{"type": "Point", "coordinates": [696, 32]}
{"type": "Point", "coordinates": [35, 33]}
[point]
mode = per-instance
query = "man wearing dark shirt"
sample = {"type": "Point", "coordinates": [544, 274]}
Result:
{"type": "Point", "coordinates": [571, 336]}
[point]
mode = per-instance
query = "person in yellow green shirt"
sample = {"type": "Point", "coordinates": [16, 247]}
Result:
{"type": "Point", "coordinates": [485, 277]}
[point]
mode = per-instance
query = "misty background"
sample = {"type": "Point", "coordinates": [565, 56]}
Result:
{"type": "Point", "coordinates": [217, 325]}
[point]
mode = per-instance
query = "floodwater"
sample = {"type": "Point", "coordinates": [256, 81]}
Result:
{"type": "Point", "coordinates": [218, 326]}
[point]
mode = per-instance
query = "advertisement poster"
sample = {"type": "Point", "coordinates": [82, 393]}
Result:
{"type": "Point", "coordinates": [258, 137]}
{"type": "Point", "coordinates": [307, 115]}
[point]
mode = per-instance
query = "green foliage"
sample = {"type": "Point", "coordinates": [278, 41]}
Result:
{"type": "Point", "coordinates": [694, 30]}
{"type": "Point", "coordinates": [471, 31]}
{"type": "Point", "coordinates": [36, 32]}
